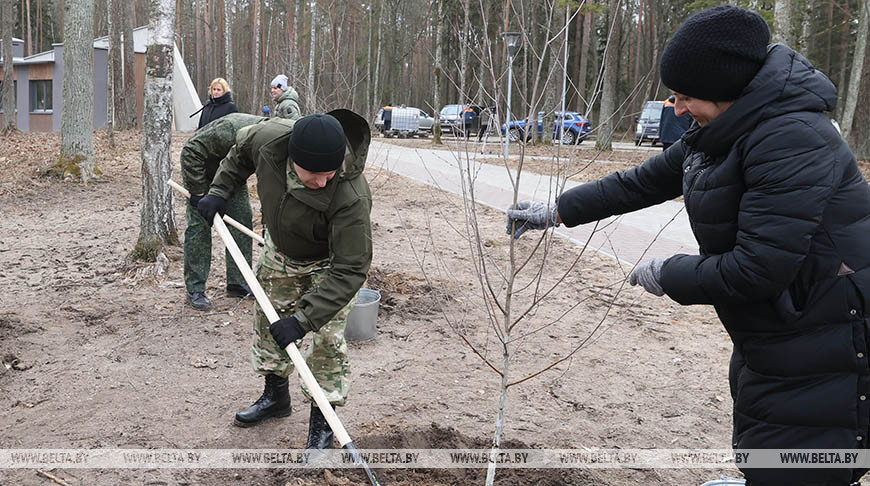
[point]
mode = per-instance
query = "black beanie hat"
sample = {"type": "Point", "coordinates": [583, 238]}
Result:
{"type": "Point", "coordinates": [715, 53]}
{"type": "Point", "coordinates": [317, 143]}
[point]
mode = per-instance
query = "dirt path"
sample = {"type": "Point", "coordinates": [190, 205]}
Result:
{"type": "Point", "coordinates": [107, 355]}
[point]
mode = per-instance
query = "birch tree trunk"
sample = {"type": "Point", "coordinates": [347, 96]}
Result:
{"type": "Point", "coordinates": [312, 103]}
{"type": "Point", "coordinates": [77, 114]}
{"type": "Point", "coordinates": [855, 77]}
{"type": "Point", "coordinates": [436, 99]}
{"type": "Point", "coordinates": [606, 120]}
{"type": "Point", "coordinates": [376, 92]}
{"type": "Point", "coordinates": [157, 223]}
{"type": "Point", "coordinates": [128, 118]}
{"type": "Point", "coordinates": [582, 105]}
{"type": "Point", "coordinates": [116, 70]}
{"type": "Point", "coordinates": [228, 39]}
{"type": "Point", "coordinates": [256, 85]}
{"type": "Point", "coordinates": [29, 29]}
{"type": "Point", "coordinates": [783, 30]}
{"type": "Point", "coordinates": [8, 91]}
{"type": "Point", "coordinates": [463, 53]}
{"type": "Point", "coordinates": [860, 133]}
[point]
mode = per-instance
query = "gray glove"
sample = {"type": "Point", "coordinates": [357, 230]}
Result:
{"type": "Point", "coordinates": [530, 215]}
{"type": "Point", "coordinates": [649, 274]}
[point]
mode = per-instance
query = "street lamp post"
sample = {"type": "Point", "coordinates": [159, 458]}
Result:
{"type": "Point", "coordinates": [512, 40]}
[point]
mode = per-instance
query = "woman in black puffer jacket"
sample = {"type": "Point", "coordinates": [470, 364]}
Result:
{"type": "Point", "coordinates": [782, 218]}
{"type": "Point", "coordinates": [220, 102]}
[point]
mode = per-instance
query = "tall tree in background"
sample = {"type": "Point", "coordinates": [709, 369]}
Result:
{"type": "Point", "coordinates": [855, 81]}
{"type": "Point", "coordinates": [228, 40]}
{"type": "Point", "coordinates": [77, 113]}
{"type": "Point", "coordinates": [129, 118]}
{"type": "Point", "coordinates": [606, 119]}
{"type": "Point", "coordinates": [157, 223]}
{"type": "Point", "coordinates": [439, 22]}
{"type": "Point", "coordinates": [310, 99]}
{"type": "Point", "coordinates": [116, 66]}
{"type": "Point", "coordinates": [783, 28]}
{"type": "Point", "coordinates": [8, 93]}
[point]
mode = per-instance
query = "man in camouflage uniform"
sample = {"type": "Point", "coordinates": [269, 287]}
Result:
{"type": "Point", "coordinates": [316, 204]}
{"type": "Point", "coordinates": [200, 158]}
{"type": "Point", "coordinates": [286, 99]}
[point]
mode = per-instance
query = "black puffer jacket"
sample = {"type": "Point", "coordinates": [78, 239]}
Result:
{"type": "Point", "coordinates": [782, 218]}
{"type": "Point", "coordinates": [215, 108]}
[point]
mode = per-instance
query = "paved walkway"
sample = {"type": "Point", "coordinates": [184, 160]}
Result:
{"type": "Point", "coordinates": [623, 237]}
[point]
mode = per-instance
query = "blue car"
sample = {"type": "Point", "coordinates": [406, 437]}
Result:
{"type": "Point", "coordinates": [575, 127]}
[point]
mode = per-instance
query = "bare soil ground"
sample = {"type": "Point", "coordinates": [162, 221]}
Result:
{"type": "Point", "coordinates": [104, 353]}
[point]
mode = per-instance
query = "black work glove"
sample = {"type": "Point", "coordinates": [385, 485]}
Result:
{"type": "Point", "coordinates": [286, 331]}
{"type": "Point", "coordinates": [194, 200]}
{"type": "Point", "coordinates": [210, 205]}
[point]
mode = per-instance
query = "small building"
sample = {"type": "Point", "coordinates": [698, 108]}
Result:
{"type": "Point", "coordinates": [39, 86]}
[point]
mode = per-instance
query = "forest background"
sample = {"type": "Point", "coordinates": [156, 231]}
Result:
{"type": "Point", "coordinates": [365, 54]}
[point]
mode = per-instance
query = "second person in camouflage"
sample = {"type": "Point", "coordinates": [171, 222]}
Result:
{"type": "Point", "coordinates": [200, 158]}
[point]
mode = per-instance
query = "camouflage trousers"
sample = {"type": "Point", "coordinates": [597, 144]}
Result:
{"type": "Point", "coordinates": [197, 243]}
{"type": "Point", "coordinates": [285, 281]}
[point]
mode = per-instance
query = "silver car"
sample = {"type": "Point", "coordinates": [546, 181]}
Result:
{"type": "Point", "coordinates": [426, 121]}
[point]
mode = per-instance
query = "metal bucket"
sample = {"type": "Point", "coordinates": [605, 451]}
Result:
{"type": "Point", "coordinates": [362, 321]}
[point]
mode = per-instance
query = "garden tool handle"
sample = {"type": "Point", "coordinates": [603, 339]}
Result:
{"type": "Point", "coordinates": [232, 222]}
{"type": "Point", "coordinates": [295, 356]}
{"type": "Point", "coordinates": [292, 350]}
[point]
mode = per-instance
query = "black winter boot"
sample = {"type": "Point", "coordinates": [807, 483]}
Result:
{"type": "Point", "coordinates": [319, 433]}
{"type": "Point", "coordinates": [275, 402]}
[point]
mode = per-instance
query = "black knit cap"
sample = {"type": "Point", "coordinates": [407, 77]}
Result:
{"type": "Point", "coordinates": [317, 143]}
{"type": "Point", "coordinates": [715, 53]}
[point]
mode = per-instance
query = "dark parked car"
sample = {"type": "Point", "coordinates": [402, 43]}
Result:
{"type": "Point", "coordinates": [575, 127]}
{"type": "Point", "coordinates": [648, 123]}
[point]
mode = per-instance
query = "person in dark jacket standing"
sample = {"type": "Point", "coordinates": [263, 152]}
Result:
{"type": "Point", "coordinates": [671, 126]}
{"type": "Point", "coordinates": [782, 218]}
{"type": "Point", "coordinates": [200, 158]}
{"type": "Point", "coordinates": [220, 102]}
{"type": "Point", "coordinates": [316, 204]}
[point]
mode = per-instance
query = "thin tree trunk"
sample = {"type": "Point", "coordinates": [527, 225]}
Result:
{"type": "Point", "coordinates": [844, 49]}
{"type": "Point", "coordinates": [855, 76]}
{"type": "Point", "coordinates": [116, 70]}
{"type": "Point", "coordinates": [583, 104]}
{"type": "Point", "coordinates": [8, 92]}
{"type": "Point", "coordinates": [157, 223]}
{"type": "Point", "coordinates": [607, 121]}
{"type": "Point", "coordinates": [463, 52]}
{"type": "Point", "coordinates": [783, 30]}
{"type": "Point", "coordinates": [129, 118]}
{"type": "Point", "coordinates": [77, 114]}
{"type": "Point", "coordinates": [312, 102]}
{"type": "Point", "coordinates": [297, 9]}
{"type": "Point", "coordinates": [436, 99]}
{"type": "Point", "coordinates": [369, 105]}
{"type": "Point", "coordinates": [255, 83]}
{"type": "Point", "coordinates": [376, 91]}
{"type": "Point", "coordinates": [29, 30]}
{"type": "Point", "coordinates": [228, 41]}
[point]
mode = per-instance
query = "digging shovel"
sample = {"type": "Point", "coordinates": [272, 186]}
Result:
{"type": "Point", "coordinates": [230, 221]}
{"type": "Point", "coordinates": [295, 356]}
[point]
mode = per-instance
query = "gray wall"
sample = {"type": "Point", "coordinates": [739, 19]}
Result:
{"type": "Point", "coordinates": [57, 88]}
{"type": "Point", "coordinates": [101, 87]}
{"type": "Point", "coordinates": [22, 97]}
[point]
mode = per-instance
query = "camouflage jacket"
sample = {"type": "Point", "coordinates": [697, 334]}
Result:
{"type": "Point", "coordinates": [288, 105]}
{"type": "Point", "coordinates": [204, 151]}
{"type": "Point", "coordinates": [309, 224]}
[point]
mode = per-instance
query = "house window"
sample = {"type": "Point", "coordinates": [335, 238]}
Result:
{"type": "Point", "coordinates": [40, 96]}
{"type": "Point", "coordinates": [2, 93]}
